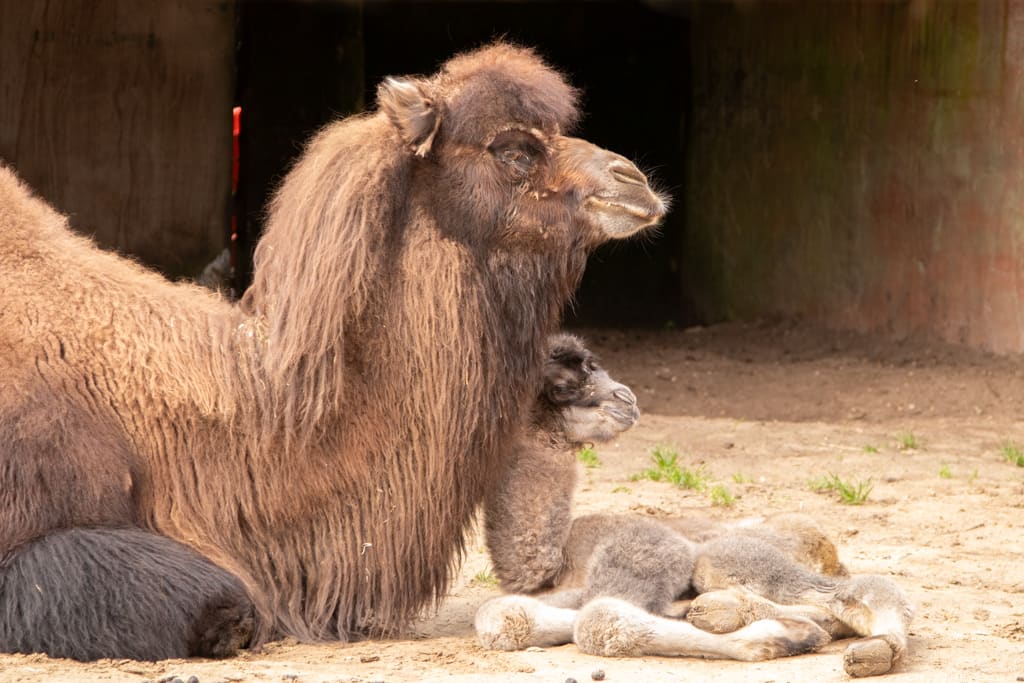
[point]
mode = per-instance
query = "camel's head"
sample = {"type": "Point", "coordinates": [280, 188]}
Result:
{"type": "Point", "coordinates": [590, 406]}
{"type": "Point", "coordinates": [489, 130]}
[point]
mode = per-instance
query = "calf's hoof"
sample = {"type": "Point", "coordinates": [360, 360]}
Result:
{"type": "Point", "coordinates": [869, 657]}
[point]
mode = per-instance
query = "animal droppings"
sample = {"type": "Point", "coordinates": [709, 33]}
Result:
{"type": "Point", "coordinates": [598, 675]}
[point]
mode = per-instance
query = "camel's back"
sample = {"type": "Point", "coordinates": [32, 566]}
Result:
{"type": "Point", "coordinates": [54, 280]}
{"type": "Point", "coordinates": [72, 314]}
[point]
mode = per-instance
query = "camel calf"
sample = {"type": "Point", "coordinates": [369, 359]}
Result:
{"type": "Point", "coordinates": [609, 583]}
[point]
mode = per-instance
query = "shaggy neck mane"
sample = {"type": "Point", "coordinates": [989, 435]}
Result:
{"type": "Point", "coordinates": [314, 269]}
{"type": "Point", "coordinates": [423, 408]}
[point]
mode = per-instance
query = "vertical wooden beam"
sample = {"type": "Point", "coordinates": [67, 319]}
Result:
{"type": "Point", "coordinates": [119, 113]}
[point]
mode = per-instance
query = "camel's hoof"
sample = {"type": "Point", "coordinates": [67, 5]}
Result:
{"type": "Point", "coordinates": [222, 631]}
{"type": "Point", "coordinates": [868, 657]}
{"type": "Point", "coordinates": [716, 612]}
{"type": "Point", "coordinates": [505, 623]}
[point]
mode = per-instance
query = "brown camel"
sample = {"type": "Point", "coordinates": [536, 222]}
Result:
{"type": "Point", "coordinates": [327, 440]}
{"type": "Point", "coordinates": [765, 588]}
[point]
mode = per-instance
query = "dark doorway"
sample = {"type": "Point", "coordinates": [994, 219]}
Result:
{"type": "Point", "coordinates": [629, 58]}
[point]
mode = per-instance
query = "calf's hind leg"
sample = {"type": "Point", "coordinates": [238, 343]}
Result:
{"type": "Point", "coordinates": [615, 628]}
{"type": "Point", "coordinates": [743, 579]}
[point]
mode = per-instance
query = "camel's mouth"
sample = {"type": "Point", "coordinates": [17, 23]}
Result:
{"type": "Point", "coordinates": [611, 418]}
{"type": "Point", "coordinates": [624, 414]}
{"type": "Point", "coordinates": [621, 216]}
{"type": "Point", "coordinates": [617, 195]}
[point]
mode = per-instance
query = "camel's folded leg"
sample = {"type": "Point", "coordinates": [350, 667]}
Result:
{"type": "Point", "coordinates": [875, 607]}
{"type": "Point", "coordinates": [725, 611]}
{"type": "Point", "coordinates": [615, 628]}
{"type": "Point", "coordinates": [870, 606]}
{"type": "Point", "coordinates": [516, 622]}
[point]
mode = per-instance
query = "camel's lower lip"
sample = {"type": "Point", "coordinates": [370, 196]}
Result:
{"type": "Point", "coordinates": [653, 212]}
{"type": "Point", "coordinates": [621, 219]}
{"type": "Point", "coordinates": [625, 416]}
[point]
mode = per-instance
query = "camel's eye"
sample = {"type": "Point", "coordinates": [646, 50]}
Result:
{"type": "Point", "coordinates": [518, 150]}
{"type": "Point", "coordinates": [564, 393]}
{"type": "Point", "coordinates": [517, 158]}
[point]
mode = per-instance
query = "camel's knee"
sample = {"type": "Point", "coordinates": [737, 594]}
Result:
{"type": "Point", "coordinates": [725, 611]}
{"type": "Point", "coordinates": [223, 627]}
{"type": "Point", "coordinates": [516, 622]}
{"type": "Point", "coordinates": [119, 593]}
{"type": "Point", "coordinates": [613, 628]}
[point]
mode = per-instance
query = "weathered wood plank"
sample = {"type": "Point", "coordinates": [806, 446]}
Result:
{"type": "Point", "coordinates": [119, 113]}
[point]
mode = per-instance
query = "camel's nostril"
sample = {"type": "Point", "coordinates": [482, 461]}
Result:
{"type": "Point", "coordinates": [625, 395]}
{"type": "Point", "coordinates": [625, 172]}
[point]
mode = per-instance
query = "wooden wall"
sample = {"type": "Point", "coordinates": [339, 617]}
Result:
{"type": "Point", "coordinates": [860, 165]}
{"type": "Point", "coordinates": [118, 112]}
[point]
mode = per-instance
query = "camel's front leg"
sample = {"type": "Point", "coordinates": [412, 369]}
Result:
{"type": "Point", "coordinates": [516, 622]}
{"type": "Point", "coordinates": [727, 610]}
{"type": "Point", "coordinates": [874, 607]}
{"type": "Point", "coordinates": [869, 606]}
{"type": "Point", "coordinates": [615, 628]}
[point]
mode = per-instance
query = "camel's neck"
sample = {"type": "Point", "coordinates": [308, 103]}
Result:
{"type": "Point", "coordinates": [528, 513]}
{"type": "Point", "coordinates": [386, 423]}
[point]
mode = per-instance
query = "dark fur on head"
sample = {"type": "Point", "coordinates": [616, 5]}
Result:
{"type": "Point", "coordinates": [328, 440]}
{"type": "Point", "coordinates": [579, 403]}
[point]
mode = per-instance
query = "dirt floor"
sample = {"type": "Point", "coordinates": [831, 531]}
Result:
{"type": "Point", "coordinates": [767, 410]}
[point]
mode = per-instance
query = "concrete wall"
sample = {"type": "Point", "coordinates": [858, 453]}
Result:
{"type": "Point", "coordinates": [861, 165]}
{"type": "Point", "coordinates": [119, 114]}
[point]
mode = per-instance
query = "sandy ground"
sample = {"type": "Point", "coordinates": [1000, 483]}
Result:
{"type": "Point", "coordinates": [766, 409]}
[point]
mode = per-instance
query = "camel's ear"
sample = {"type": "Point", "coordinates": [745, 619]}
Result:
{"type": "Point", "coordinates": [411, 110]}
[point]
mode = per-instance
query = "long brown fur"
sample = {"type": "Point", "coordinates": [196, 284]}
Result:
{"type": "Point", "coordinates": [328, 439]}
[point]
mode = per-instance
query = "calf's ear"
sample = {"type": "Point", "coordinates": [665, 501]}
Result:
{"type": "Point", "coordinates": [412, 112]}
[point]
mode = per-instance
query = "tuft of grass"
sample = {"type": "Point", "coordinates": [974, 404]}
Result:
{"type": "Point", "coordinates": [740, 478]}
{"type": "Point", "coordinates": [721, 496]}
{"type": "Point", "coordinates": [908, 442]}
{"type": "Point", "coordinates": [1012, 453]}
{"type": "Point", "coordinates": [870, 449]}
{"type": "Point", "coordinates": [588, 456]}
{"type": "Point", "coordinates": [854, 494]}
{"type": "Point", "coordinates": [944, 472]}
{"type": "Point", "coordinates": [486, 577]}
{"type": "Point", "coordinates": [666, 468]}
{"type": "Point", "coordinates": [622, 489]}
{"type": "Point", "coordinates": [820, 485]}
{"type": "Point", "coordinates": [848, 492]}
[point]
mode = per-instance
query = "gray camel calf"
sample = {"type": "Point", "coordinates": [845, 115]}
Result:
{"type": "Point", "coordinates": [610, 583]}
